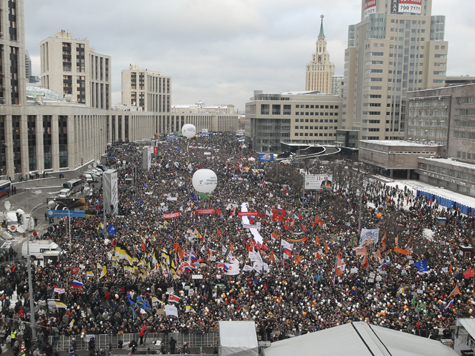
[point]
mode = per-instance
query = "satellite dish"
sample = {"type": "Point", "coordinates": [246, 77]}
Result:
{"type": "Point", "coordinates": [7, 205]}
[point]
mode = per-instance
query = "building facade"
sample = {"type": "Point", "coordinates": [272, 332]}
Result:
{"type": "Point", "coordinates": [72, 68]}
{"type": "Point", "coordinates": [146, 89]}
{"type": "Point", "coordinates": [320, 71]}
{"type": "Point", "coordinates": [293, 117]}
{"type": "Point", "coordinates": [397, 47]}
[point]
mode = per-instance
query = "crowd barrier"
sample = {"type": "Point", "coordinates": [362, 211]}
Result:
{"type": "Point", "coordinates": [445, 202]}
{"type": "Point", "coordinates": [103, 341]}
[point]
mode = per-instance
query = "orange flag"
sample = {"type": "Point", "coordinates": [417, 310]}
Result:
{"type": "Point", "coordinates": [450, 268]}
{"type": "Point", "coordinates": [396, 240]}
{"type": "Point", "coordinates": [338, 271]}
{"type": "Point", "coordinates": [377, 254]}
{"type": "Point", "coordinates": [318, 255]}
{"type": "Point", "coordinates": [218, 232]}
{"type": "Point", "coordinates": [298, 259]}
{"type": "Point", "coordinates": [311, 222]}
{"type": "Point", "coordinates": [272, 256]}
{"type": "Point", "coordinates": [317, 240]}
{"type": "Point", "coordinates": [231, 248]}
{"type": "Point", "coordinates": [318, 221]}
{"type": "Point", "coordinates": [400, 250]}
{"type": "Point", "coordinates": [338, 259]}
{"type": "Point", "coordinates": [455, 292]}
{"type": "Point", "coordinates": [274, 236]}
{"type": "Point", "coordinates": [326, 247]}
{"type": "Point", "coordinates": [365, 262]}
{"type": "Point", "coordinates": [383, 241]}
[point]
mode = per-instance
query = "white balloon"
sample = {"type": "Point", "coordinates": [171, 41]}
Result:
{"type": "Point", "coordinates": [188, 130]}
{"type": "Point", "coordinates": [204, 180]}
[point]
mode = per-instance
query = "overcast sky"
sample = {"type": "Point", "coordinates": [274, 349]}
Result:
{"type": "Point", "coordinates": [220, 51]}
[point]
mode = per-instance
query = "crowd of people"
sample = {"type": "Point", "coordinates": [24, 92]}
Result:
{"type": "Point", "coordinates": [308, 273]}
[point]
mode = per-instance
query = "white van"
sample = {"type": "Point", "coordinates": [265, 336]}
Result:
{"type": "Point", "coordinates": [64, 193]}
{"type": "Point", "coordinates": [11, 220]}
{"type": "Point", "coordinates": [38, 248]}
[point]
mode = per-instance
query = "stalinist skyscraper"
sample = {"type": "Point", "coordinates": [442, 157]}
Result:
{"type": "Point", "coordinates": [320, 71]}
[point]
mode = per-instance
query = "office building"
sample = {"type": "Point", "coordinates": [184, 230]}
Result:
{"type": "Point", "coordinates": [146, 89]}
{"type": "Point", "coordinates": [320, 70]}
{"type": "Point", "coordinates": [72, 68]}
{"type": "Point", "coordinates": [291, 117]}
{"type": "Point", "coordinates": [397, 47]}
{"type": "Point", "coordinates": [337, 84]}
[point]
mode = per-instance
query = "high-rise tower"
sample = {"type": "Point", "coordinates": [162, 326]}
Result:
{"type": "Point", "coordinates": [397, 47]}
{"type": "Point", "coordinates": [320, 71]}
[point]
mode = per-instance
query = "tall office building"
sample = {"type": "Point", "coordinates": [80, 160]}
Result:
{"type": "Point", "coordinates": [320, 70]}
{"type": "Point", "coordinates": [12, 53]}
{"type": "Point", "coordinates": [27, 66]}
{"type": "Point", "coordinates": [146, 89]}
{"type": "Point", "coordinates": [397, 47]}
{"type": "Point", "coordinates": [70, 67]}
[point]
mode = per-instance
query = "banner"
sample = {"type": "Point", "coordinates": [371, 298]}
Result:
{"type": "Point", "coordinates": [171, 310]}
{"type": "Point", "coordinates": [318, 181]}
{"type": "Point", "coordinates": [172, 215]}
{"type": "Point", "coordinates": [249, 226]}
{"type": "Point", "coordinates": [371, 235]}
{"type": "Point", "coordinates": [303, 239]}
{"type": "Point", "coordinates": [66, 213]}
{"type": "Point", "coordinates": [248, 213]}
{"type": "Point", "coordinates": [204, 211]}
{"type": "Point", "coordinates": [266, 157]}
{"type": "Point", "coordinates": [406, 6]}
{"type": "Point", "coordinates": [369, 7]}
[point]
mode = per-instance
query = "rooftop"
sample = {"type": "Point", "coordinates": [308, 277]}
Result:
{"type": "Point", "coordinates": [398, 143]}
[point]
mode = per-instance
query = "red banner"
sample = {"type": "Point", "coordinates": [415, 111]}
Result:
{"type": "Point", "coordinates": [248, 213]}
{"type": "Point", "coordinates": [204, 211]}
{"type": "Point", "coordinates": [171, 215]}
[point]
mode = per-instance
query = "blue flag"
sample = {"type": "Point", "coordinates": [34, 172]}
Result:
{"type": "Point", "coordinates": [140, 202]}
{"type": "Point", "coordinates": [421, 266]}
{"type": "Point", "coordinates": [111, 230]}
{"type": "Point", "coordinates": [143, 304]}
{"type": "Point", "coordinates": [144, 186]}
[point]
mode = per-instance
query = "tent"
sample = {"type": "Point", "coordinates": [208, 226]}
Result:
{"type": "Point", "coordinates": [238, 338]}
{"type": "Point", "coordinates": [358, 339]}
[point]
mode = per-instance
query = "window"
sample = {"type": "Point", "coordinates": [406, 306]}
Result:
{"type": "Point", "coordinates": [264, 109]}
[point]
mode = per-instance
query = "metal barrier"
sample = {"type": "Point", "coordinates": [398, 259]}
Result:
{"type": "Point", "coordinates": [102, 341]}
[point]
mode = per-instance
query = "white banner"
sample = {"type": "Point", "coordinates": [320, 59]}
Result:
{"type": "Point", "coordinates": [318, 181]}
{"type": "Point", "coordinates": [369, 234]}
{"type": "Point", "coordinates": [171, 310]}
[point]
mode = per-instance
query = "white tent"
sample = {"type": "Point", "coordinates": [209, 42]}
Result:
{"type": "Point", "coordinates": [359, 339]}
{"type": "Point", "coordinates": [238, 338]}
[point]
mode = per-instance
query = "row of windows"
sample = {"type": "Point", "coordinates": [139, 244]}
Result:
{"type": "Point", "coordinates": [316, 120]}
{"type": "Point", "coordinates": [316, 106]}
{"type": "Point", "coordinates": [464, 134]}
{"type": "Point", "coordinates": [466, 155]}
{"type": "Point", "coordinates": [311, 134]}
{"type": "Point", "coordinates": [465, 112]}
{"type": "Point", "coordinates": [466, 100]}
{"type": "Point", "coordinates": [317, 114]}
{"type": "Point", "coordinates": [316, 127]}
{"type": "Point", "coordinates": [464, 123]}
{"type": "Point", "coordinates": [448, 171]}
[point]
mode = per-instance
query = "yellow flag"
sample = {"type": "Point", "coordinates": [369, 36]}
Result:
{"type": "Point", "coordinates": [104, 272]}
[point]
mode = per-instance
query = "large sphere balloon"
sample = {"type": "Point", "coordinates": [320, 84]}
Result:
{"type": "Point", "coordinates": [188, 130]}
{"type": "Point", "coordinates": [204, 180]}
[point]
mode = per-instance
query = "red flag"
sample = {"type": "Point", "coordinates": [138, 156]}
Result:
{"type": "Point", "coordinates": [326, 247]}
{"type": "Point", "coordinates": [286, 227]}
{"type": "Point", "coordinates": [454, 292]}
{"type": "Point", "coordinates": [74, 270]}
{"type": "Point", "coordinates": [173, 298]}
{"type": "Point", "coordinates": [304, 228]}
{"type": "Point", "coordinates": [114, 242]}
{"type": "Point", "coordinates": [218, 232]}
{"type": "Point", "coordinates": [450, 268]}
{"type": "Point", "coordinates": [283, 211]}
{"type": "Point", "coordinates": [469, 274]}
{"type": "Point", "coordinates": [300, 217]}
{"type": "Point", "coordinates": [218, 211]}
{"type": "Point", "coordinates": [417, 324]}
{"type": "Point", "coordinates": [143, 246]}
{"type": "Point", "coordinates": [305, 238]}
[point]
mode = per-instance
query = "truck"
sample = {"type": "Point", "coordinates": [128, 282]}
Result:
{"type": "Point", "coordinates": [40, 249]}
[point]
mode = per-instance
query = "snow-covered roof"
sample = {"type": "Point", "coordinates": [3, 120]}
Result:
{"type": "Point", "coordinates": [398, 143]}
{"type": "Point", "coordinates": [47, 94]}
{"type": "Point", "coordinates": [452, 162]}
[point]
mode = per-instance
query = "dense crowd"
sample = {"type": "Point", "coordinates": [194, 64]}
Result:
{"type": "Point", "coordinates": [323, 282]}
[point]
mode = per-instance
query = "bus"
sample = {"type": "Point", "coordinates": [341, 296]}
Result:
{"type": "Point", "coordinates": [75, 185]}
{"type": "Point", "coordinates": [5, 186]}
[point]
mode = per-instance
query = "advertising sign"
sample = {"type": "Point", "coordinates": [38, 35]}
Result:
{"type": "Point", "coordinates": [406, 7]}
{"type": "Point", "coordinates": [110, 188]}
{"type": "Point", "coordinates": [318, 181]}
{"type": "Point", "coordinates": [369, 7]}
{"type": "Point", "coordinates": [240, 133]}
{"type": "Point", "coordinates": [66, 213]}
{"type": "Point", "coordinates": [266, 157]}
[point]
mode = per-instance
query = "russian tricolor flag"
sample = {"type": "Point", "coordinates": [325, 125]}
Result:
{"type": "Point", "coordinates": [450, 305]}
{"type": "Point", "coordinates": [76, 284]}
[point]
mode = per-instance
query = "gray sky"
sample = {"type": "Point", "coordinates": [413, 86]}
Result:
{"type": "Point", "coordinates": [219, 51]}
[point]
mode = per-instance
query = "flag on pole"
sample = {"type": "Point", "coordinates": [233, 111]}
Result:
{"type": "Point", "coordinates": [111, 230]}
{"type": "Point", "coordinates": [104, 272]}
{"type": "Point", "coordinates": [455, 292]}
{"type": "Point", "coordinates": [421, 266]}
{"type": "Point", "coordinates": [59, 290]}
{"type": "Point", "coordinates": [76, 284]}
{"type": "Point", "coordinates": [469, 274]}
{"type": "Point", "coordinates": [173, 298]}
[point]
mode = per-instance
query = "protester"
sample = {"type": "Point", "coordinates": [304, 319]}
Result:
{"type": "Point", "coordinates": [308, 273]}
